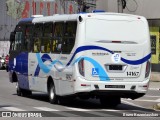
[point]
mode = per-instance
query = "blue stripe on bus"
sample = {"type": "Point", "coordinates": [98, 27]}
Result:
{"type": "Point", "coordinates": [46, 57]}
{"type": "Point", "coordinates": [41, 65]}
{"type": "Point", "coordinates": [84, 48]}
{"type": "Point", "coordinates": [132, 62]}
{"type": "Point", "coordinates": [26, 20]}
{"type": "Point", "coordinates": [47, 68]}
{"type": "Point", "coordinates": [137, 62]}
{"type": "Point", "coordinates": [101, 74]}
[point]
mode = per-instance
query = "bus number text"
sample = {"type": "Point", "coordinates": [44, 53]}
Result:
{"type": "Point", "coordinates": [132, 73]}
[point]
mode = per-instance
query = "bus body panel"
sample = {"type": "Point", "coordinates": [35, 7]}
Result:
{"type": "Point", "coordinates": [41, 66]}
{"type": "Point", "coordinates": [18, 63]}
{"type": "Point", "coordinates": [122, 42]}
{"type": "Point", "coordinates": [106, 63]}
{"type": "Point", "coordinates": [110, 53]}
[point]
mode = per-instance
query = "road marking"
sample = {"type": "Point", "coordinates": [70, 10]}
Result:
{"type": "Point", "coordinates": [150, 96]}
{"type": "Point", "coordinates": [144, 100]}
{"type": "Point", "coordinates": [158, 100]}
{"type": "Point", "coordinates": [110, 110]}
{"type": "Point", "coordinates": [129, 103]}
{"type": "Point", "coordinates": [13, 109]}
{"type": "Point", "coordinates": [93, 112]}
{"type": "Point", "coordinates": [77, 109]}
{"type": "Point", "coordinates": [154, 88]}
{"type": "Point", "coordinates": [45, 109]}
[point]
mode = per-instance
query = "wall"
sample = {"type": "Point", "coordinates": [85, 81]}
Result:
{"type": "Point", "coordinates": [4, 48]}
{"type": "Point", "coordinates": [102, 5]}
{"type": "Point", "coordinates": [148, 8]}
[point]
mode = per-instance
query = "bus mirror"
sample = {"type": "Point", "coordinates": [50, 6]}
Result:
{"type": "Point", "coordinates": [59, 47]}
{"type": "Point", "coordinates": [12, 36]}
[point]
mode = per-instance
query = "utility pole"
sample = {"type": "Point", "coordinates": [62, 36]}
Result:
{"type": "Point", "coordinates": [83, 5]}
{"type": "Point", "coordinates": [120, 8]}
{"type": "Point", "coordinates": [121, 5]}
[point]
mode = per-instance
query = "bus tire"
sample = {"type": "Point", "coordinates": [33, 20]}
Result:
{"type": "Point", "coordinates": [22, 92]}
{"type": "Point", "coordinates": [25, 93]}
{"type": "Point", "coordinates": [52, 94]}
{"type": "Point", "coordinates": [110, 102]}
{"type": "Point", "coordinates": [18, 89]}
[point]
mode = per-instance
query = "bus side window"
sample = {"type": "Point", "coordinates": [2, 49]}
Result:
{"type": "Point", "coordinates": [54, 45]}
{"type": "Point", "coordinates": [37, 37]}
{"type": "Point", "coordinates": [37, 43]}
{"type": "Point", "coordinates": [46, 42]}
{"type": "Point", "coordinates": [69, 37]}
{"type": "Point", "coordinates": [17, 43]}
{"type": "Point", "coordinates": [28, 37]}
{"type": "Point", "coordinates": [12, 40]}
{"type": "Point", "coordinates": [57, 36]}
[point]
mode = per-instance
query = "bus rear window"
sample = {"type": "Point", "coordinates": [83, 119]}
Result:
{"type": "Point", "coordinates": [113, 30]}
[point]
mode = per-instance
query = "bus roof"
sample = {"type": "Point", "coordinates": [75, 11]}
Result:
{"type": "Point", "coordinates": [57, 17]}
{"type": "Point", "coordinates": [26, 20]}
{"type": "Point", "coordinates": [71, 17]}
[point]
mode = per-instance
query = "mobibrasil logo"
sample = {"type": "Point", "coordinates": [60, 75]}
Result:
{"type": "Point", "coordinates": [116, 57]}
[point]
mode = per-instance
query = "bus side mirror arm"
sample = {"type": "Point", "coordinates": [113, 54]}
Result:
{"type": "Point", "coordinates": [12, 36]}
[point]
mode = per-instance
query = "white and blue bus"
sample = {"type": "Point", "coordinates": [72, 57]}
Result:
{"type": "Point", "coordinates": [93, 55]}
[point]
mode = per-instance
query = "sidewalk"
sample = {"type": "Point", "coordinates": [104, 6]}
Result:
{"type": "Point", "coordinates": [154, 81]}
{"type": "Point", "coordinates": [155, 77]}
{"type": "Point", "coordinates": [155, 84]}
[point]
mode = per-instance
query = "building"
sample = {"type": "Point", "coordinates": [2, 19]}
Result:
{"type": "Point", "coordinates": [147, 8]}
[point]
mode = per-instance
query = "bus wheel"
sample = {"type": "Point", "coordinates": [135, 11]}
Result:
{"type": "Point", "coordinates": [52, 94]}
{"type": "Point", "coordinates": [18, 89]}
{"type": "Point", "coordinates": [22, 92]}
{"type": "Point", "coordinates": [25, 93]}
{"type": "Point", "coordinates": [110, 102]}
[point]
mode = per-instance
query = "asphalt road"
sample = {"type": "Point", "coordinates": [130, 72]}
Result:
{"type": "Point", "coordinates": [38, 104]}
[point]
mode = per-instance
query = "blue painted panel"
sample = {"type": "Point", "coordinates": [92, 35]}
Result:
{"type": "Point", "coordinates": [26, 20]}
{"type": "Point", "coordinates": [21, 68]}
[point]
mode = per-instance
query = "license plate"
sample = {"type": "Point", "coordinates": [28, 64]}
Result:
{"type": "Point", "coordinates": [114, 86]}
{"type": "Point", "coordinates": [115, 67]}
